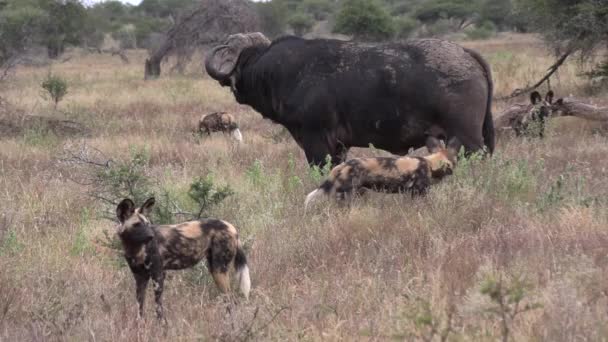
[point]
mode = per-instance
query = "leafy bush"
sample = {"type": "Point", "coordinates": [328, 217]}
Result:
{"type": "Point", "coordinates": [55, 88]}
{"type": "Point", "coordinates": [125, 178]}
{"type": "Point", "coordinates": [365, 20]}
{"type": "Point", "coordinates": [507, 299]}
{"type": "Point", "coordinates": [301, 24]}
{"type": "Point", "coordinates": [205, 194]}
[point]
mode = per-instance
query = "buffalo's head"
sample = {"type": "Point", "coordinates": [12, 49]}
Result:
{"type": "Point", "coordinates": [221, 62]}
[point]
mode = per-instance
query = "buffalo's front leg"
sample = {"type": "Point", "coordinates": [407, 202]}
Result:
{"type": "Point", "coordinates": [317, 146]}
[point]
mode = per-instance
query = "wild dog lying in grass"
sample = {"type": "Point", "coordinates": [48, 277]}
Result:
{"type": "Point", "coordinates": [220, 122]}
{"type": "Point", "coordinates": [151, 249]}
{"type": "Point", "coordinates": [392, 175]}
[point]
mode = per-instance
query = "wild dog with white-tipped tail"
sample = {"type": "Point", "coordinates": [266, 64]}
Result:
{"type": "Point", "coordinates": [150, 250]}
{"type": "Point", "coordinates": [391, 175]}
{"type": "Point", "coordinates": [220, 122]}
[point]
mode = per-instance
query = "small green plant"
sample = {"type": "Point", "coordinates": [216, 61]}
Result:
{"type": "Point", "coordinates": [429, 325]}
{"type": "Point", "coordinates": [10, 244]}
{"type": "Point", "coordinates": [293, 181]}
{"type": "Point", "coordinates": [319, 174]}
{"type": "Point", "coordinates": [204, 192]}
{"type": "Point", "coordinates": [126, 178]}
{"type": "Point", "coordinates": [54, 88]}
{"type": "Point", "coordinates": [507, 301]}
{"type": "Point", "coordinates": [81, 244]}
{"type": "Point", "coordinates": [255, 173]}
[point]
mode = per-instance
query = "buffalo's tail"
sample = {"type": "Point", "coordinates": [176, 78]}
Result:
{"type": "Point", "coordinates": [488, 123]}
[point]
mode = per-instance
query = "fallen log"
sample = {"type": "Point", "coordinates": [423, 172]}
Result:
{"type": "Point", "coordinates": [572, 107]}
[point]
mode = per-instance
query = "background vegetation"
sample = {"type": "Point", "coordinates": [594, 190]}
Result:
{"type": "Point", "coordinates": [513, 247]}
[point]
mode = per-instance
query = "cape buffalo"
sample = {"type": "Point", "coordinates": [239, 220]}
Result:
{"type": "Point", "coordinates": [332, 95]}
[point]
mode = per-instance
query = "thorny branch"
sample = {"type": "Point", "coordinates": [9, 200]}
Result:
{"type": "Point", "coordinates": [249, 333]}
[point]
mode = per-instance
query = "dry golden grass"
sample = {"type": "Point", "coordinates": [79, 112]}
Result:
{"type": "Point", "coordinates": [384, 268]}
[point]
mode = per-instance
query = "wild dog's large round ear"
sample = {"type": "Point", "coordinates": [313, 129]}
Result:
{"type": "Point", "coordinates": [549, 97]}
{"type": "Point", "coordinates": [433, 144]}
{"type": "Point", "coordinates": [146, 208]}
{"type": "Point", "coordinates": [535, 97]}
{"type": "Point", "coordinates": [454, 145]}
{"type": "Point", "coordinates": [125, 209]}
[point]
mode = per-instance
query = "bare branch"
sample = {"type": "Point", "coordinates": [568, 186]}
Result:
{"type": "Point", "coordinates": [550, 71]}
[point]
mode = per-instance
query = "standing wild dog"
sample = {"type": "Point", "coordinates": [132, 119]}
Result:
{"type": "Point", "coordinates": [392, 175]}
{"type": "Point", "coordinates": [220, 122]}
{"type": "Point", "coordinates": [152, 249]}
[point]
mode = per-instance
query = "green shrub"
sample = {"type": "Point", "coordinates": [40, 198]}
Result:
{"type": "Point", "coordinates": [301, 24]}
{"type": "Point", "coordinates": [507, 301]}
{"type": "Point", "coordinates": [206, 194]}
{"type": "Point", "coordinates": [54, 88]}
{"type": "Point", "coordinates": [365, 20]}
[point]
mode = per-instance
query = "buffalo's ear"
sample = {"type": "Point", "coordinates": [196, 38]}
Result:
{"type": "Point", "coordinates": [433, 144]}
{"type": "Point", "coordinates": [125, 209]}
{"type": "Point", "coordinates": [535, 97]}
{"type": "Point", "coordinates": [549, 96]}
{"type": "Point", "coordinates": [146, 208]}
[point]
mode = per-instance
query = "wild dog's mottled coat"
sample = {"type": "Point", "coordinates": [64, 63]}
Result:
{"type": "Point", "coordinates": [392, 175]}
{"type": "Point", "coordinates": [219, 122]}
{"type": "Point", "coordinates": [151, 249]}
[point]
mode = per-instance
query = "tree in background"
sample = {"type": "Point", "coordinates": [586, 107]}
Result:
{"type": "Point", "coordinates": [318, 9]}
{"type": "Point", "coordinates": [211, 22]}
{"type": "Point", "coordinates": [568, 26]}
{"type": "Point", "coordinates": [301, 24]}
{"type": "Point", "coordinates": [65, 24]}
{"type": "Point", "coordinates": [20, 28]}
{"type": "Point", "coordinates": [365, 20]}
{"type": "Point", "coordinates": [273, 17]}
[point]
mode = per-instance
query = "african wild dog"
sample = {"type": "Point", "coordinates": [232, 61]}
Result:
{"type": "Point", "coordinates": [152, 249]}
{"type": "Point", "coordinates": [534, 120]}
{"type": "Point", "coordinates": [392, 175]}
{"type": "Point", "coordinates": [220, 122]}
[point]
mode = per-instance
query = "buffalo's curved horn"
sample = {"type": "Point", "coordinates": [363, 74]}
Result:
{"type": "Point", "coordinates": [221, 61]}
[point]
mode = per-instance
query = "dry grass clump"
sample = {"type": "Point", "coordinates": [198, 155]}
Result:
{"type": "Point", "coordinates": [530, 221]}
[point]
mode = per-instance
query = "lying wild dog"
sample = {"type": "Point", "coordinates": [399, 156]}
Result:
{"type": "Point", "coordinates": [392, 175]}
{"type": "Point", "coordinates": [151, 249]}
{"type": "Point", "coordinates": [220, 122]}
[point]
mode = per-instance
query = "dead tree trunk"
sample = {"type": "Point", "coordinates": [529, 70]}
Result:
{"type": "Point", "coordinates": [210, 23]}
{"type": "Point", "coordinates": [573, 107]}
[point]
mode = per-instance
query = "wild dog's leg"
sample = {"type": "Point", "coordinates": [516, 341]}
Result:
{"type": "Point", "coordinates": [141, 283]}
{"type": "Point", "coordinates": [158, 280]}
